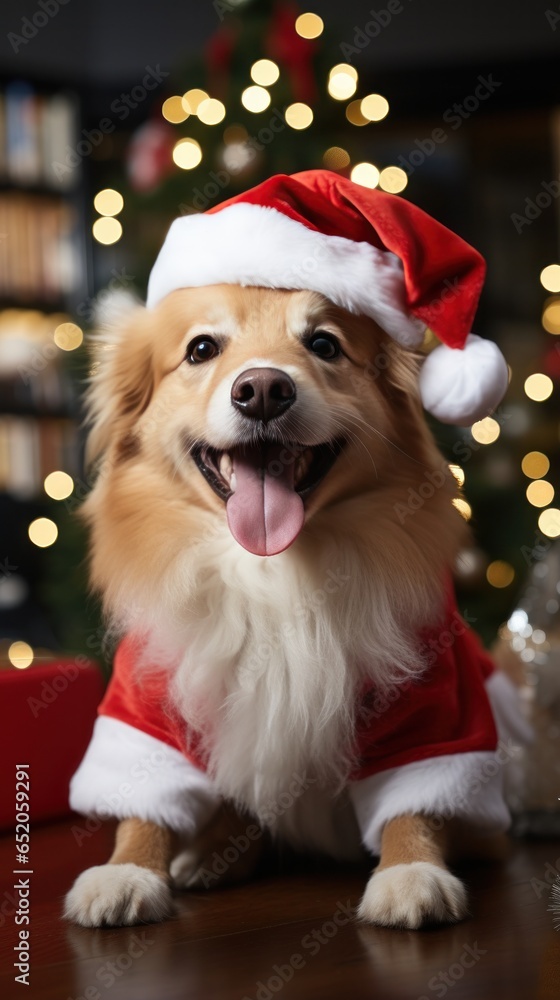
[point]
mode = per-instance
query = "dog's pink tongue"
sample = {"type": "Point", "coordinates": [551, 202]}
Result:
{"type": "Point", "coordinates": [265, 514]}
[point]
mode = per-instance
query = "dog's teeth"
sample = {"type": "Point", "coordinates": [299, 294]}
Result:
{"type": "Point", "coordinates": [232, 482]}
{"type": "Point", "coordinates": [226, 467]}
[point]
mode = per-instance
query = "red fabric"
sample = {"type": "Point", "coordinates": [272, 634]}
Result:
{"type": "Point", "coordinates": [443, 274]}
{"type": "Point", "coordinates": [445, 712]}
{"type": "Point", "coordinates": [48, 712]}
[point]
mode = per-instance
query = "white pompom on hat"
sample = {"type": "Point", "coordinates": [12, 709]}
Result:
{"type": "Point", "coordinates": [370, 252]}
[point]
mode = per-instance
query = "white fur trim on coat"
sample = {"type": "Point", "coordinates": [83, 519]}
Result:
{"type": "Point", "coordinates": [466, 785]}
{"type": "Point", "coordinates": [126, 773]}
{"type": "Point", "coordinates": [255, 245]}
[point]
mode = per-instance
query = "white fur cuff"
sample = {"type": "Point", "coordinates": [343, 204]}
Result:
{"type": "Point", "coordinates": [127, 773]}
{"type": "Point", "coordinates": [466, 785]}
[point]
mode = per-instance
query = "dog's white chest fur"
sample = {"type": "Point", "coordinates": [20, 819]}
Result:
{"type": "Point", "coordinates": [272, 654]}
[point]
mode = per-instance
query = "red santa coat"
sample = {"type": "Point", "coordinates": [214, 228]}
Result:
{"type": "Point", "coordinates": [428, 745]}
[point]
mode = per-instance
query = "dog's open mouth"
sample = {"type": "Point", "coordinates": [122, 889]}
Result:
{"type": "Point", "coordinates": [264, 486]}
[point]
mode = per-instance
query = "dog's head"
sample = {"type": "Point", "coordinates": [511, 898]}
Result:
{"type": "Point", "coordinates": [263, 405]}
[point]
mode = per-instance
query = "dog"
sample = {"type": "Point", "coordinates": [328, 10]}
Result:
{"type": "Point", "coordinates": [285, 402]}
{"type": "Point", "coordinates": [273, 535]}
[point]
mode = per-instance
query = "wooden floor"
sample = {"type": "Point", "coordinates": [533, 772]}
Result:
{"type": "Point", "coordinates": [239, 943]}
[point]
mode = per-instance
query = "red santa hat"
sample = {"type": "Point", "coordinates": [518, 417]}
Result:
{"type": "Point", "coordinates": [369, 252]}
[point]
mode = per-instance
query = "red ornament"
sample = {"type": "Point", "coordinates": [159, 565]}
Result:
{"type": "Point", "coordinates": [149, 156]}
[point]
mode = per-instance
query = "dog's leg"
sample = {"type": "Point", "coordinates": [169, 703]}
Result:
{"type": "Point", "coordinates": [411, 885]}
{"type": "Point", "coordinates": [227, 850]}
{"type": "Point", "coordinates": [133, 887]}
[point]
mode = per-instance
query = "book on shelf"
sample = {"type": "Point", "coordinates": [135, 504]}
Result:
{"type": "Point", "coordinates": [37, 137]}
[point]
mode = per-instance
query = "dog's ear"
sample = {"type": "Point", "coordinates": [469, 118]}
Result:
{"type": "Point", "coordinates": [121, 376]}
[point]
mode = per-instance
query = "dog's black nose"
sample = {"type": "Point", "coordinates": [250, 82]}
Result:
{"type": "Point", "coordinates": [263, 393]}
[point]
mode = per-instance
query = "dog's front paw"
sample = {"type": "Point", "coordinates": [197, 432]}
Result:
{"type": "Point", "coordinates": [118, 895]}
{"type": "Point", "coordinates": [409, 895]}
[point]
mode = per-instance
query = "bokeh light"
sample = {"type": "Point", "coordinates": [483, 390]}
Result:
{"type": "Point", "coordinates": [540, 493]}
{"type": "Point", "coordinates": [68, 336]}
{"type": "Point", "coordinates": [500, 574]}
{"type": "Point", "coordinates": [463, 507]}
{"type": "Point", "coordinates": [550, 278]}
{"type": "Point", "coordinates": [309, 25]}
{"type": "Point", "coordinates": [393, 180]}
{"type": "Point", "coordinates": [193, 98]}
{"type": "Point", "coordinates": [107, 230]}
{"type": "Point", "coordinates": [336, 158]}
{"type": "Point", "coordinates": [58, 485]}
{"type": "Point", "coordinates": [549, 522]}
{"type": "Point", "coordinates": [535, 465]}
{"type": "Point", "coordinates": [551, 316]}
{"type": "Point", "coordinates": [187, 154]}
{"type": "Point", "coordinates": [255, 99]}
{"type": "Point", "coordinates": [211, 112]}
{"type": "Point", "coordinates": [20, 655]}
{"type": "Point", "coordinates": [375, 107]}
{"type": "Point", "coordinates": [354, 114]}
{"type": "Point", "coordinates": [486, 431]}
{"type": "Point", "coordinates": [538, 387]}
{"type": "Point", "coordinates": [264, 72]}
{"type": "Point", "coordinates": [365, 174]}
{"type": "Point", "coordinates": [43, 532]}
{"type": "Point", "coordinates": [298, 116]}
{"type": "Point", "coordinates": [108, 202]}
{"type": "Point", "coordinates": [175, 109]}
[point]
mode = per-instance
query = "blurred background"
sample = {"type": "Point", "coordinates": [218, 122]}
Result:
{"type": "Point", "coordinates": [117, 117]}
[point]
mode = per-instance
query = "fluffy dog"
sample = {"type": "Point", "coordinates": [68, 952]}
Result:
{"type": "Point", "coordinates": [254, 542]}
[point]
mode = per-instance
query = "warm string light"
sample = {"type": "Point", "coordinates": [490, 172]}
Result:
{"type": "Point", "coordinates": [393, 180]}
{"type": "Point", "coordinates": [336, 158]}
{"type": "Point", "coordinates": [108, 202]}
{"type": "Point", "coordinates": [264, 72]}
{"type": "Point", "coordinates": [309, 25]}
{"type": "Point", "coordinates": [374, 107]}
{"type": "Point", "coordinates": [20, 655]}
{"type": "Point", "coordinates": [211, 111]}
{"type": "Point", "coordinates": [255, 99]}
{"type": "Point", "coordinates": [68, 336]}
{"type": "Point", "coordinates": [107, 230]}
{"type": "Point", "coordinates": [500, 574]}
{"type": "Point", "coordinates": [354, 114]}
{"type": "Point", "coordinates": [458, 474]}
{"type": "Point", "coordinates": [540, 493]}
{"type": "Point", "coordinates": [535, 465]}
{"type": "Point", "coordinates": [187, 154]}
{"type": "Point", "coordinates": [538, 387]}
{"type": "Point", "coordinates": [550, 278]}
{"type": "Point", "coordinates": [193, 98]}
{"type": "Point", "coordinates": [463, 507]}
{"type": "Point", "coordinates": [175, 110]}
{"type": "Point", "coordinates": [551, 316]}
{"type": "Point", "coordinates": [486, 431]}
{"type": "Point", "coordinates": [298, 116]}
{"type": "Point", "coordinates": [342, 82]}
{"type": "Point", "coordinates": [365, 174]}
{"type": "Point", "coordinates": [43, 532]}
{"type": "Point", "coordinates": [58, 485]}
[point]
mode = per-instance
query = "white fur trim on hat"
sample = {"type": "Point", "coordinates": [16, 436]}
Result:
{"type": "Point", "coordinates": [466, 785]}
{"type": "Point", "coordinates": [127, 772]}
{"type": "Point", "coordinates": [463, 386]}
{"type": "Point", "coordinates": [256, 245]}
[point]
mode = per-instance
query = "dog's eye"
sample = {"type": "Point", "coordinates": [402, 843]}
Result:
{"type": "Point", "coordinates": [324, 345]}
{"type": "Point", "coordinates": [202, 349]}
